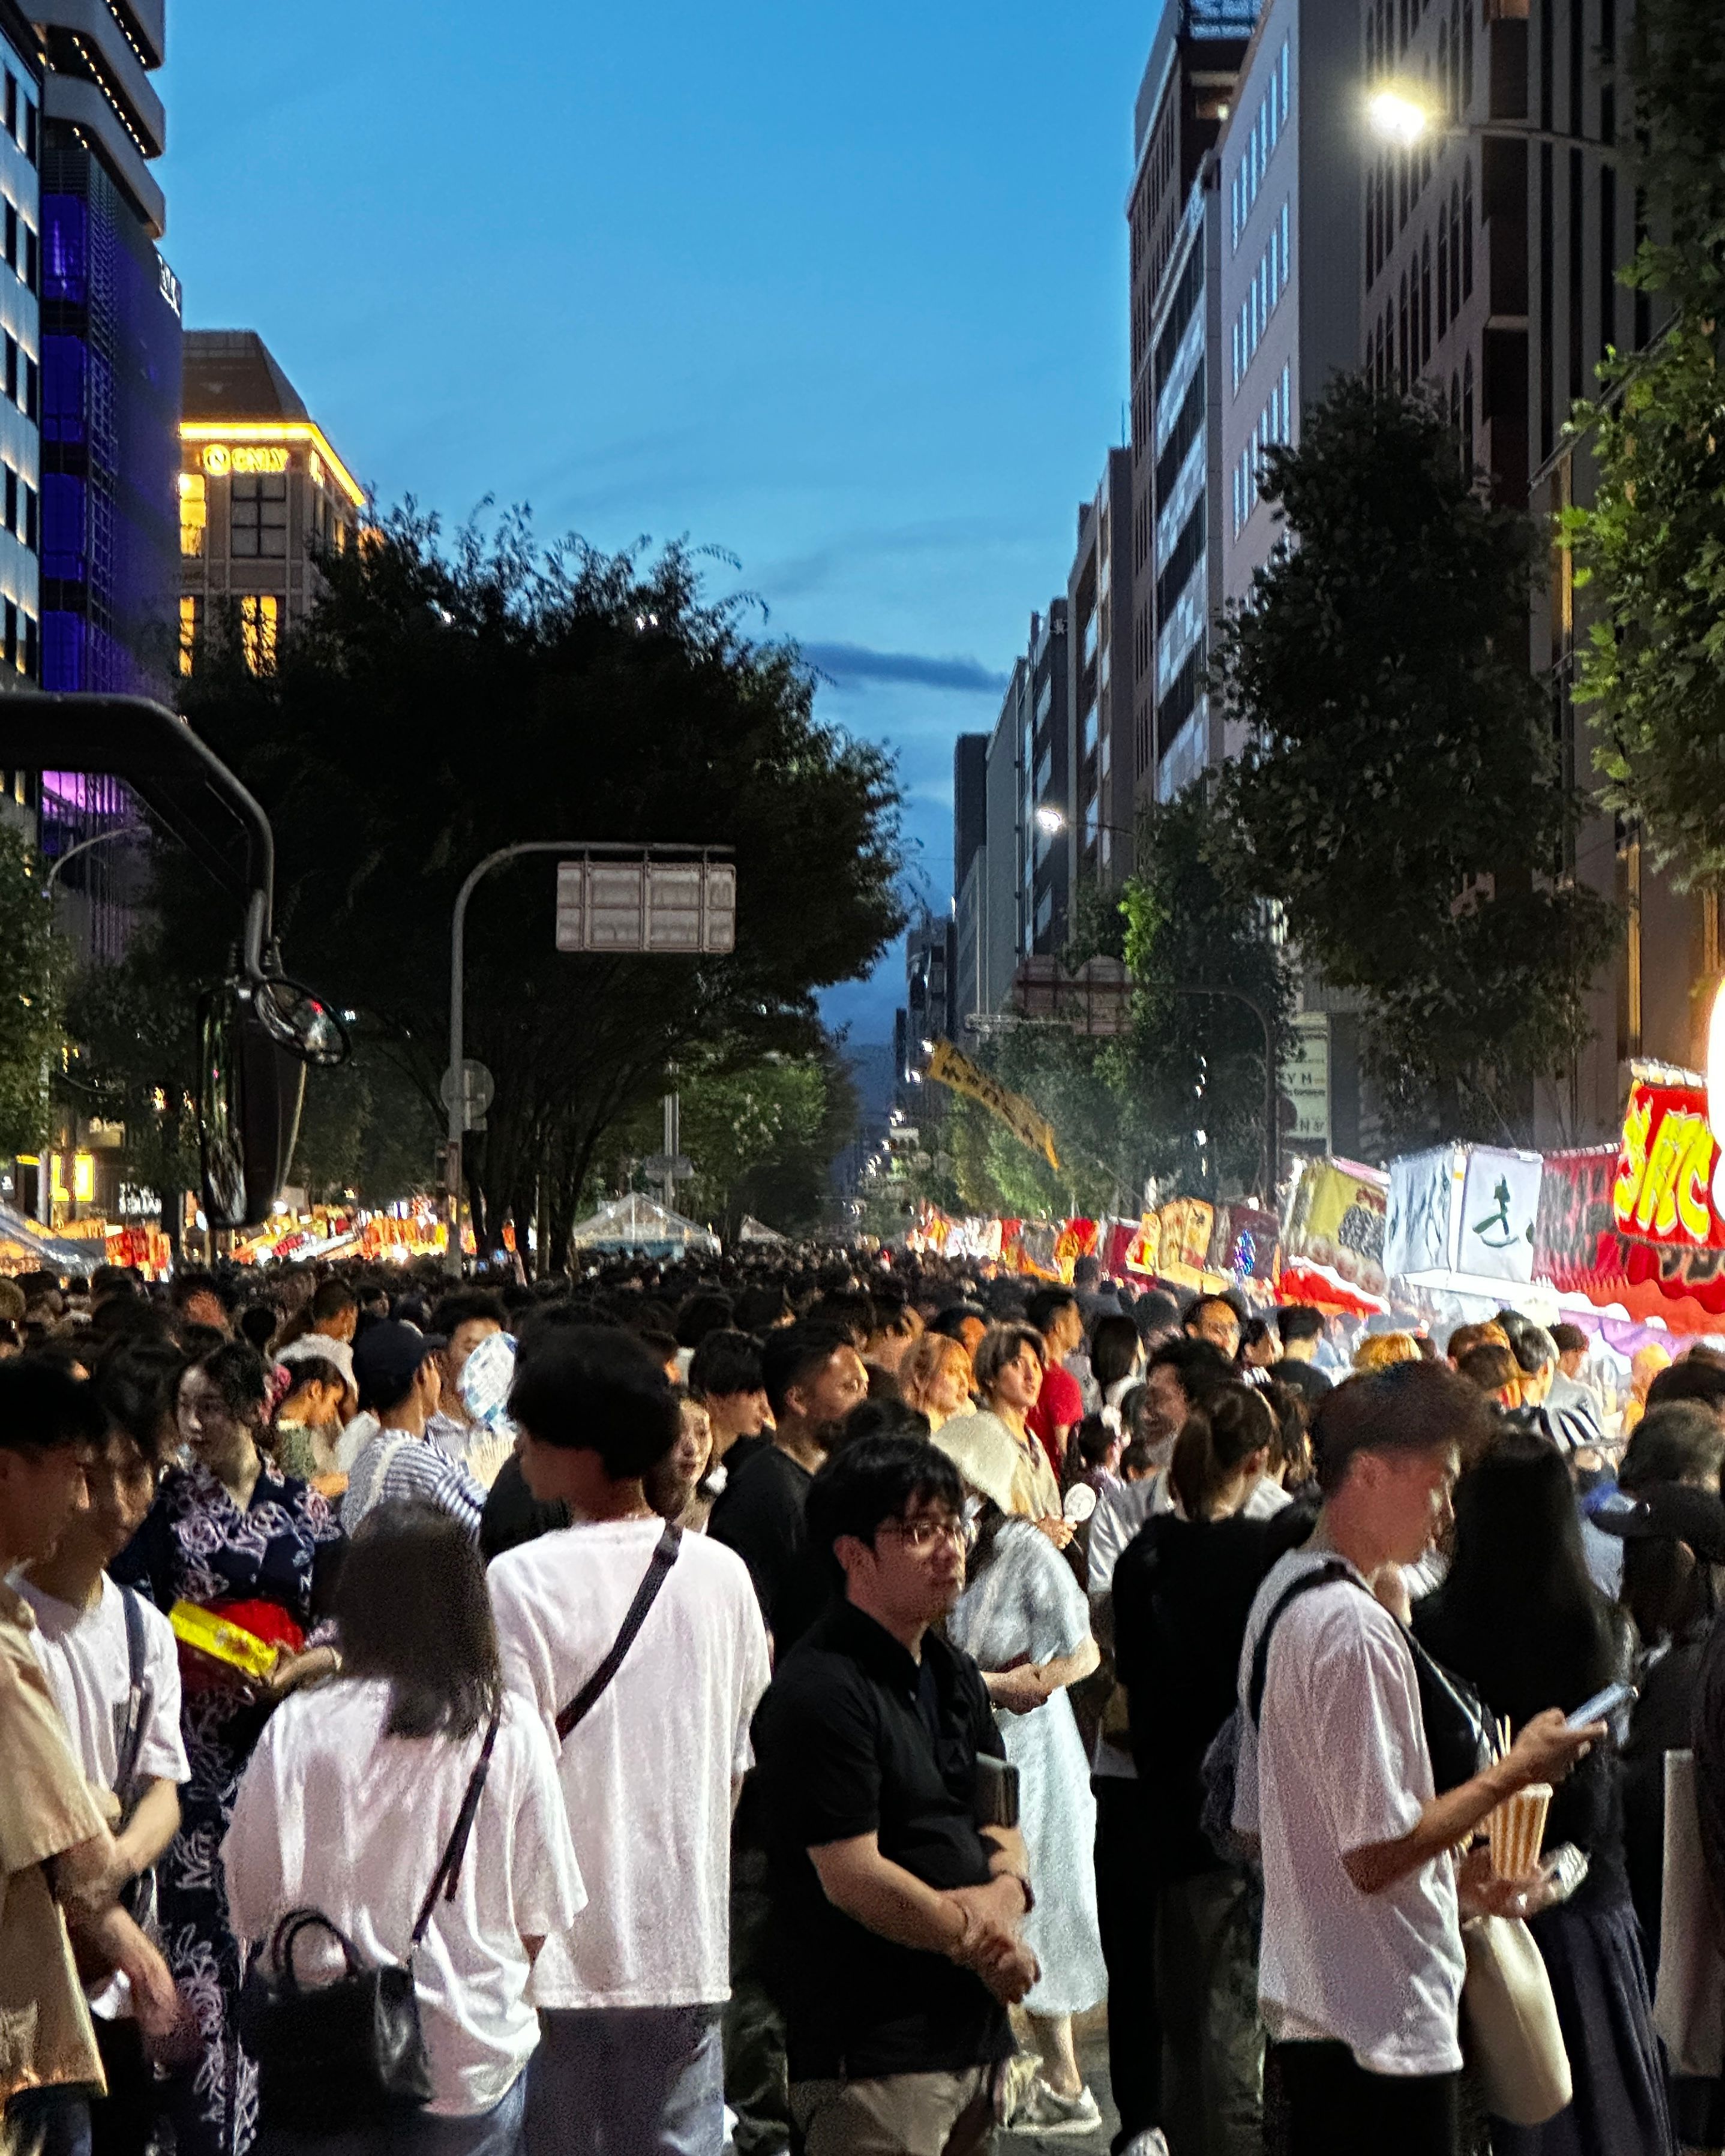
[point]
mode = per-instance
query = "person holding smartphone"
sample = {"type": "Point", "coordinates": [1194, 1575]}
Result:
{"type": "Point", "coordinates": [1521, 1618]}
{"type": "Point", "coordinates": [1362, 1962]}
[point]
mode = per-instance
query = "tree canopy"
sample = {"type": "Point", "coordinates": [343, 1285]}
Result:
{"type": "Point", "coordinates": [1651, 544]}
{"type": "Point", "coordinates": [445, 700]}
{"type": "Point", "coordinates": [1398, 795]}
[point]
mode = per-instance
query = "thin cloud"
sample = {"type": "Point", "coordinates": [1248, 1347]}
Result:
{"type": "Point", "coordinates": [849, 665]}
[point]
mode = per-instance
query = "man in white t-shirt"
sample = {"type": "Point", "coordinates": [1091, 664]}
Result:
{"type": "Point", "coordinates": [1360, 1973]}
{"type": "Point", "coordinates": [631, 2063]}
{"type": "Point", "coordinates": [112, 1667]}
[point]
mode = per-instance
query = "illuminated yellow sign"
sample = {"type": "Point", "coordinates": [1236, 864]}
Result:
{"type": "Point", "coordinates": [221, 457]}
{"type": "Point", "coordinates": [228, 435]}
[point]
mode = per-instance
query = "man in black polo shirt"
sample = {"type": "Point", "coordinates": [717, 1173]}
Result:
{"type": "Point", "coordinates": [814, 1377]}
{"type": "Point", "coordinates": [896, 1915]}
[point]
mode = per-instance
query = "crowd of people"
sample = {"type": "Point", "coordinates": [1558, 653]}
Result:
{"type": "Point", "coordinates": [784, 1705]}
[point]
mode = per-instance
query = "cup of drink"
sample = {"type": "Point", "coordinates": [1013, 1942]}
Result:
{"type": "Point", "coordinates": [1517, 1831]}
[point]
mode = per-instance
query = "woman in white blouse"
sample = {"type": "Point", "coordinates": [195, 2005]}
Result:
{"type": "Point", "coordinates": [350, 1799]}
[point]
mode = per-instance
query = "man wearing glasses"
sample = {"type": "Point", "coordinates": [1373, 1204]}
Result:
{"type": "Point", "coordinates": [896, 1902]}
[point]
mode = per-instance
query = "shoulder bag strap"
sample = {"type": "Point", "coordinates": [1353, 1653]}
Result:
{"type": "Point", "coordinates": [665, 1556]}
{"type": "Point", "coordinates": [132, 1734]}
{"type": "Point", "coordinates": [449, 1869]}
{"type": "Point", "coordinates": [1321, 1575]}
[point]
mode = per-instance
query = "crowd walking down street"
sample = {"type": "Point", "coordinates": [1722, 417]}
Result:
{"type": "Point", "coordinates": [801, 1743]}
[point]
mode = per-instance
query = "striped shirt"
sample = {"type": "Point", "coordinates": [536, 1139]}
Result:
{"type": "Point", "coordinates": [396, 1465]}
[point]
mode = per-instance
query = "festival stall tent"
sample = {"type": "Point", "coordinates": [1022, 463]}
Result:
{"type": "Point", "coordinates": [643, 1227]}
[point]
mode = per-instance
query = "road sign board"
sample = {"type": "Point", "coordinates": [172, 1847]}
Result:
{"type": "Point", "coordinates": [665, 906]}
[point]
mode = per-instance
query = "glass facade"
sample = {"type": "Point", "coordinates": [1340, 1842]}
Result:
{"type": "Point", "coordinates": [111, 393]}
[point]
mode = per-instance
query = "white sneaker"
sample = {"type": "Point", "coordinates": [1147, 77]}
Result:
{"type": "Point", "coordinates": [1046, 2113]}
{"type": "Point", "coordinates": [1152, 2142]}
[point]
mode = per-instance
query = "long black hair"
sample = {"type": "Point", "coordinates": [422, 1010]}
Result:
{"type": "Point", "coordinates": [414, 1608]}
{"type": "Point", "coordinates": [1519, 1615]}
{"type": "Point", "coordinates": [1216, 1442]}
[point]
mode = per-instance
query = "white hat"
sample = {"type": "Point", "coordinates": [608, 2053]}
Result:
{"type": "Point", "coordinates": [985, 1453]}
{"type": "Point", "coordinates": [319, 1347]}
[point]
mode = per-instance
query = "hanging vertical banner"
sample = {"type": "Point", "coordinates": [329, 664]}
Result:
{"type": "Point", "coordinates": [948, 1067]}
{"type": "Point", "coordinates": [1500, 1205]}
{"type": "Point", "coordinates": [1418, 1234]}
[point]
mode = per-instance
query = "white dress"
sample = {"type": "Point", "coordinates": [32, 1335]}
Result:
{"type": "Point", "coordinates": [1026, 1606]}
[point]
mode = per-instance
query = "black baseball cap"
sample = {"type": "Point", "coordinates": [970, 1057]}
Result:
{"type": "Point", "coordinates": [386, 1360]}
{"type": "Point", "coordinates": [1672, 1512]}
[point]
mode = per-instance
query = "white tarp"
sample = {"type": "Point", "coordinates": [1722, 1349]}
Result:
{"type": "Point", "coordinates": [1499, 1202]}
{"type": "Point", "coordinates": [1418, 1236]}
{"type": "Point", "coordinates": [636, 1222]}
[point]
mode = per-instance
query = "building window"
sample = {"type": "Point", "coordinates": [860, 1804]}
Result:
{"type": "Point", "coordinates": [1467, 232]}
{"type": "Point", "coordinates": [260, 613]}
{"type": "Point", "coordinates": [191, 612]}
{"type": "Point", "coordinates": [12, 652]}
{"type": "Point", "coordinates": [194, 514]}
{"type": "Point", "coordinates": [30, 514]}
{"type": "Point", "coordinates": [32, 265]}
{"type": "Point", "coordinates": [11, 499]}
{"type": "Point", "coordinates": [258, 517]}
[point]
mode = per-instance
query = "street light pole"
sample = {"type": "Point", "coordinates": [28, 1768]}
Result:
{"type": "Point", "coordinates": [457, 965]}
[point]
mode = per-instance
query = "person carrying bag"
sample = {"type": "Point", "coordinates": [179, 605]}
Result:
{"type": "Point", "coordinates": [348, 2053]}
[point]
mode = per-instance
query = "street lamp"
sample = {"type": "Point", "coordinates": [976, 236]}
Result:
{"type": "Point", "coordinates": [1051, 822]}
{"type": "Point", "coordinates": [1402, 115]}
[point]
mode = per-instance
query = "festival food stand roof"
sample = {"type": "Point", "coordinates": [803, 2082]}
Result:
{"type": "Point", "coordinates": [636, 1222]}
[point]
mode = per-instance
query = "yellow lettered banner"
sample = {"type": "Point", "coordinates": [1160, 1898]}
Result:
{"type": "Point", "coordinates": [948, 1067]}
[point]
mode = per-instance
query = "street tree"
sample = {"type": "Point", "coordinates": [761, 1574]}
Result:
{"type": "Point", "coordinates": [1650, 549]}
{"type": "Point", "coordinates": [36, 968]}
{"type": "Point", "coordinates": [446, 699]}
{"type": "Point", "coordinates": [1397, 796]}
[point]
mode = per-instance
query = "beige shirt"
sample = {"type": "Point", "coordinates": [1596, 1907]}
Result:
{"type": "Point", "coordinates": [45, 1807]}
{"type": "Point", "coordinates": [1035, 1493]}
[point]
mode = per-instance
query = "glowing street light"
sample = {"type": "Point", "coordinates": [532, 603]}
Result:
{"type": "Point", "coordinates": [1398, 116]}
{"type": "Point", "coordinates": [1049, 821]}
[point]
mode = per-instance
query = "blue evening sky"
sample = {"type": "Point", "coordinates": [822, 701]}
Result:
{"type": "Point", "coordinates": [840, 287]}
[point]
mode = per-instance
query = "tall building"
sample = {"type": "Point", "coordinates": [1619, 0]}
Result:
{"type": "Point", "coordinates": [1578, 223]}
{"type": "Point", "coordinates": [1289, 190]}
{"type": "Point", "coordinates": [1445, 227]}
{"type": "Point", "coordinates": [108, 408]}
{"type": "Point", "coordinates": [261, 493]}
{"type": "Point", "coordinates": [1185, 95]}
{"type": "Point", "coordinates": [1183, 578]}
{"type": "Point", "coordinates": [110, 354]}
{"type": "Point", "coordinates": [1044, 799]}
{"type": "Point", "coordinates": [1099, 615]}
{"type": "Point", "coordinates": [20, 324]}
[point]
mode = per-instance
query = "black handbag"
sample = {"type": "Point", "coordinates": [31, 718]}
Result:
{"type": "Point", "coordinates": [351, 2052]}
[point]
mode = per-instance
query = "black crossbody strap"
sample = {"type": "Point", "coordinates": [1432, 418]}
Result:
{"type": "Point", "coordinates": [1321, 1575]}
{"type": "Point", "coordinates": [665, 1556]}
{"type": "Point", "coordinates": [132, 1736]}
{"type": "Point", "coordinates": [449, 1869]}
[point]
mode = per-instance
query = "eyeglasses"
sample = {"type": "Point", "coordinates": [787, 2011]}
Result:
{"type": "Point", "coordinates": [920, 1535]}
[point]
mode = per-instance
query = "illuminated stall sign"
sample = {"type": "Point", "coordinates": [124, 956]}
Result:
{"type": "Point", "coordinates": [1668, 1184]}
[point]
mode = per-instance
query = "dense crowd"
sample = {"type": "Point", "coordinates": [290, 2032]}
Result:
{"type": "Point", "coordinates": [768, 1705]}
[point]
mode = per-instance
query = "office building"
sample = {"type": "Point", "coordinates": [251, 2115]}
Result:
{"type": "Point", "coordinates": [1289, 195]}
{"type": "Point", "coordinates": [1046, 798]}
{"type": "Point", "coordinates": [1579, 229]}
{"type": "Point", "coordinates": [1184, 573]}
{"type": "Point", "coordinates": [1099, 615]}
{"type": "Point", "coordinates": [109, 406]}
{"type": "Point", "coordinates": [1445, 228]}
{"type": "Point", "coordinates": [1183, 99]}
{"type": "Point", "coordinates": [20, 324]}
{"type": "Point", "coordinates": [262, 495]}
{"type": "Point", "coordinates": [110, 354]}
{"type": "Point", "coordinates": [999, 892]}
